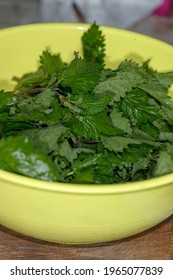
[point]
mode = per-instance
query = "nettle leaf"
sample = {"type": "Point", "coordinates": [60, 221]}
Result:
{"type": "Point", "coordinates": [6, 100]}
{"type": "Point", "coordinates": [84, 126]}
{"type": "Point", "coordinates": [165, 79]}
{"type": "Point", "coordinates": [159, 93]}
{"type": "Point", "coordinates": [52, 63]}
{"type": "Point", "coordinates": [117, 143]}
{"type": "Point", "coordinates": [43, 100]}
{"type": "Point", "coordinates": [164, 164]}
{"type": "Point", "coordinates": [137, 108]}
{"type": "Point", "coordinates": [46, 139]}
{"type": "Point", "coordinates": [129, 156]}
{"type": "Point", "coordinates": [143, 73]}
{"type": "Point", "coordinates": [92, 126]}
{"type": "Point", "coordinates": [144, 137]}
{"type": "Point", "coordinates": [167, 114]}
{"type": "Point", "coordinates": [47, 116]}
{"type": "Point", "coordinates": [91, 104]}
{"type": "Point", "coordinates": [30, 80]}
{"type": "Point", "coordinates": [105, 126]}
{"type": "Point", "coordinates": [66, 151]}
{"type": "Point", "coordinates": [141, 164]}
{"type": "Point", "coordinates": [119, 85]}
{"type": "Point", "coordinates": [166, 136]}
{"type": "Point", "coordinates": [81, 76]}
{"type": "Point", "coordinates": [99, 178]}
{"type": "Point", "coordinates": [128, 76]}
{"type": "Point", "coordinates": [3, 118]}
{"type": "Point", "coordinates": [115, 160]}
{"type": "Point", "coordinates": [19, 156]}
{"type": "Point", "coordinates": [93, 43]}
{"type": "Point", "coordinates": [129, 65]}
{"type": "Point", "coordinates": [82, 152]}
{"type": "Point", "coordinates": [10, 126]}
{"type": "Point", "coordinates": [104, 166]}
{"type": "Point", "coordinates": [120, 122]}
{"type": "Point", "coordinates": [85, 176]}
{"type": "Point", "coordinates": [88, 162]}
{"type": "Point", "coordinates": [150, 129]}
{"type": "Point", "coordinates": [44, 108]}
{"type": "Point", "coordinates": [39, 103]}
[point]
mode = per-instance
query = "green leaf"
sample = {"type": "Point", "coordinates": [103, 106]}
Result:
{"type": "Point", "coordinates": [137, 108]}
{"type": "Point", "coordinates": [11, 127]}
{"type": "Point", "coordinates": [141, 164]}
{"type": "Point", "coordinates": [134, 153]}
{"type": "Point", "coordinates": [120, 122]}
{"type": "Point", "coordinates": [164, 164]}
{"type": "Point", "coordinates": [103, 171]}
{"type": "Point", "coordinates": [46, 139]}
{"type": "Point", "coordinates": [30, 80]}
{"type": "Point", "coordinates": [48, 117]}
{"type": "Point", "coordinates": [167, 114]}
{"type": "Point", "coordinates": [92, 126]}
{"type": "Point", "coordinates": [6, 100]}
{"type": "Point", "coordinates": [150, 129]}
{"type": "Point", "coordinates": [128, 76]}
{"type": "Point", "coordinates": [165, 79]}
{"type": "Point", "coordinates": [117, 143]}
{"type": "Point", "coordinates": [84, 177]}
{"type": "Point", "coordinates": [166, 136]}
{"type": "Point", "coordinates": [121, 84]}
{"type": "Point", "coordinates": [51, 63]}
{"type": "Point", "coordinates": [91, 104]}
{"type": "Point", "coordinates": [84, 126]}
{"type": "Point", "coordinates": [19, 156]}
{"type": "Point", "coordinates": [44, 108]}
{"type": "Point", "coordinates": [3, 118]}
{"type": "Point", "coordinates": [159, 93]}
{"type": "Point", "coordinates": [66, 151]}
{"type": "Point", "coordinates": [118, 86]}
{"type": "Point", "coordinates": [104, 124]}
{"type": "Point", "coordinates": [138, 70]}
{"type": "Point", "coordinates": [43, 100]}
{"type": "Point", "coordinates": [93, 43]}
{"type": "Point", "coordinates": [89, 162]}
{"type": "Point", "coordinates": [81, 76]}
{"type": "Point", "coordinates": [144, 137]}
{"type": "Point", "coordinates": [81, 152]}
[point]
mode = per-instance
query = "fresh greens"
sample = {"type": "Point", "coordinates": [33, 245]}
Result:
{"type": "Point", "coordinates": [80, 122]}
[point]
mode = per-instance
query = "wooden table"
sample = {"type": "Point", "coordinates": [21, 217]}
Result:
{"type": "Point", "coordinates": [156, 243]}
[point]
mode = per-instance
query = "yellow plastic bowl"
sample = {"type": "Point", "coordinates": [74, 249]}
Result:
{"type": "Point", "coordinates": [71, 213]}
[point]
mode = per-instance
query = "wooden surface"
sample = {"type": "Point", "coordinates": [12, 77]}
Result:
{"type": "Point", "coordinates": [154, 244]}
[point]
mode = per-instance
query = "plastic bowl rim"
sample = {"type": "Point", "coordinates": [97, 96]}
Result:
{"type": "Point", "coordinates": [28, 182]}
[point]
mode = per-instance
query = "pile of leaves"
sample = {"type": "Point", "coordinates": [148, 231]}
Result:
{"type": "Point", "coordinates": [80, 122]}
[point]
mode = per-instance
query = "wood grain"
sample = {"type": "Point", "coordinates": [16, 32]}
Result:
{"type": "Point", "coordinates": [156, 243]}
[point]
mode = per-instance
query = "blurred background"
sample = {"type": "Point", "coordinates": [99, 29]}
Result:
{"type": "Point", "coordinates": [151, 17]}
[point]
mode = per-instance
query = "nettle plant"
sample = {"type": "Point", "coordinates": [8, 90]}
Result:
{"type": "Point", "coordinates": [81, 122]}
